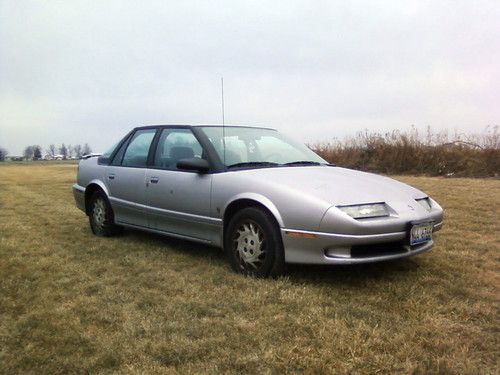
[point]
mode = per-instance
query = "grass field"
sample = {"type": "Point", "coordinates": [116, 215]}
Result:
{"type": "Point", "coordinates": [140, 303]}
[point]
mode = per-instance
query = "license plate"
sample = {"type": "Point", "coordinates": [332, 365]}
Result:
{"type": "Point", "coordinates": [421, 233]}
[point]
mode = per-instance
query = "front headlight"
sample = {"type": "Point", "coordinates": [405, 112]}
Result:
{"type": "Point", "coordinates": [365, 211]}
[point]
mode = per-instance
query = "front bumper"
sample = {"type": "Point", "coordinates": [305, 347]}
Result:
{"type": "Point", "coordinates": [79, 194]}
{"type": "Point", "coordinates": [307, 247]}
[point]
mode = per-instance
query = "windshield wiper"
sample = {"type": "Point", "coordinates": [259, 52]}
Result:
{"type": "Point", "coordinates": [302, 162]}
{"type": "Point", "coordinates": [253, 164]}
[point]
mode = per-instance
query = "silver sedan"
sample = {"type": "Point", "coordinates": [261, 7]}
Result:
{"type": "Point", "coordinates": [264, 198]}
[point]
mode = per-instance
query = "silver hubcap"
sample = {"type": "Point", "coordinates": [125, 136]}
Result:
{"type": "Point", "coordinates": [99, 213]}
{"type": "Point", "coordinates": [249, 244]}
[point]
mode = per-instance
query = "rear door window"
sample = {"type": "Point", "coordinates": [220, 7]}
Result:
{"type": "Point", "coordinates": [137, 151]}
{"type": "Point", "coordinates": [117, 159]}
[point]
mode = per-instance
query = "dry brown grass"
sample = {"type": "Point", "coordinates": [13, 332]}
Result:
{"type": "Point", "coordinates": [138, 303]}
{"type": "Point", "coordinates": [411, 152]}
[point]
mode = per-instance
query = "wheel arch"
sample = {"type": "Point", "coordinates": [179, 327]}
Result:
{"type": "Point", "coordinates": [251, 200]}
{"type": "Point", "coordinates": [91, 188]}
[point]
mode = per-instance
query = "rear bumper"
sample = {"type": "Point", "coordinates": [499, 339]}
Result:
{"type": "Point", "coordinates": [79, 195]}
{"type": "Point", "coordinates": [330, 248]}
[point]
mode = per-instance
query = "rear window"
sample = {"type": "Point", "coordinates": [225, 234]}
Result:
{"type": "Point", "coordinates": [137, 151]}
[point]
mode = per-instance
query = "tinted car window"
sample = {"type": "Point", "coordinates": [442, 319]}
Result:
{"type": "Point", "coordinates": [137, 151]}
{"type": "Point", "coordinates": [105, 158]}
{"type": "Point", "coordinates": [174, 145]}
{"type": "Point", "coordinates": [117, 159]}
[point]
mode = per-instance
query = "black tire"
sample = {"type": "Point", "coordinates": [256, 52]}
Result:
{"type": "Point", "coordinates": [101, 217]}
{"type": "Point", "coordinates": [253, 245]}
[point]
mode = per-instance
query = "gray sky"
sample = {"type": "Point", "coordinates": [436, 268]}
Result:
{"type": "Point", "coordinates": [88, 71]}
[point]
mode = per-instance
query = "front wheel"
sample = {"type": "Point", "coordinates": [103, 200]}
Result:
{"type": "Point", "coordinates": [101, 216]}
{"type": "Point", "coordinates": [253, 244]}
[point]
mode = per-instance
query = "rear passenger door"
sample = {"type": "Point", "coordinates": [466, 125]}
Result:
{"type": "Point", "coordinates": [126, 181]}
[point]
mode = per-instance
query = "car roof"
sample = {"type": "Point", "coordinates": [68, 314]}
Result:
{"type": "Point", "coordinates": [199, 126]}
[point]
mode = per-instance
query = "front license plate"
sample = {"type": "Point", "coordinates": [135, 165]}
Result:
{"type": "Point", "coordinates": [421, 233]}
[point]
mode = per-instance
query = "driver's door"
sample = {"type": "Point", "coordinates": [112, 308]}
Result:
{"type": "Point", "coordinates": [179, 201]}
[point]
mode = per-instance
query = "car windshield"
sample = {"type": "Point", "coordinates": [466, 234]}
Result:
{"type": "Point", "coordinates": [257, 147]}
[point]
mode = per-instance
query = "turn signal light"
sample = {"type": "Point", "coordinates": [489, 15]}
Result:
{"type": "Point", "coordinates": [300, 234]}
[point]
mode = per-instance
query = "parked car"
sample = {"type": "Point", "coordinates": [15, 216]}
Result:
{"type": "Point", "coordinates": [264, 198]}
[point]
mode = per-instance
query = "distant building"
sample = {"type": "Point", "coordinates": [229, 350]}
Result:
{"type": "Point", "coordinates": [14, 158]}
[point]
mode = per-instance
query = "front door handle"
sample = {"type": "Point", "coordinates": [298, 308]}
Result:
{"type": "Point", "coordinates": [154, 180]}
{"type": "Point", "coordinates": [111, 176]}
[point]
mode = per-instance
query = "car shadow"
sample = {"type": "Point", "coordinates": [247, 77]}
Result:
{"type": "Point", "coordinates": [186, 247]}
{"type": "Point", "coordinates": [355, 274]}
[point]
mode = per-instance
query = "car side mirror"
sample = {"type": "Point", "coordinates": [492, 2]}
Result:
{"type": "Point", "coordinates": [193, 164]}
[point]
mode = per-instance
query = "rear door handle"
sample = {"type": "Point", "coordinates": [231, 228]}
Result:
{"type": "Point", "coordinates": [154, 180]}
{"type": "Point", "coordinates": [111, 176]}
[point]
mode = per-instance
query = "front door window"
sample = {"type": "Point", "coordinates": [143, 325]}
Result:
{"type": "Point", "coordinates": [174, 145]}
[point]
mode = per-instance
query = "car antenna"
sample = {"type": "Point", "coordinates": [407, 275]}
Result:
{"type": "Point", "coordinates": [223, 122]}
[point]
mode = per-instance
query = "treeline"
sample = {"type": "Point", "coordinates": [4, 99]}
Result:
{"type": "Point", "coordinates": [3, 153]}
{"type": "Point", "coordinates": [412, 152]}
{"type": "Point", "coordinates": [63, 152]}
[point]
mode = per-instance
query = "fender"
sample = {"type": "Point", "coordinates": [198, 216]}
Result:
{"type": "Point", "coordinates": [266, 202]}
{"type": "Point", "coordinates": [100, 184]}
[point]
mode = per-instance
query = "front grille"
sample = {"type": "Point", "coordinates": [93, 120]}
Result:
{"type": "Point", "coordinates": [376, 250]}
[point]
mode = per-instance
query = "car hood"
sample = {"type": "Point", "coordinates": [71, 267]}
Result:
{"type": "Point", "coordinates": [335, 185]}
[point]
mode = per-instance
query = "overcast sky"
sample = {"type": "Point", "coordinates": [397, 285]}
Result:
{"type": "Point", "coordinates": [88, 71]}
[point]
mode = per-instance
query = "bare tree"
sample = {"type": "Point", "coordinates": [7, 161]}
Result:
{"type": "Point", "coordinates": [28, 153]}
{"type": "Point", "coordinates": [86, 149]}
{"type": "Point", "coordinates": [52, 150]}
{"type": "Point", "coordinates": [3, 154]}
{"type": "Point", "coordinates": [63, 150]}
{"type": "Point", "coordinates": [70, 151]}
{"type": "Point", "coordinates": [37, 152]}
{"type": "Point", "coordinates": [78, 151]}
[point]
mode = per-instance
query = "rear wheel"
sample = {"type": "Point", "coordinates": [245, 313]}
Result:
{"type": "Point", "coordinates": [101, 216]}
{"type": "Point", "coordinates": [253, 244]}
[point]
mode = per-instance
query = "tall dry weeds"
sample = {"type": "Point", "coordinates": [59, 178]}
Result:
{"type": "Point", "coordinates": [411, 152]}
